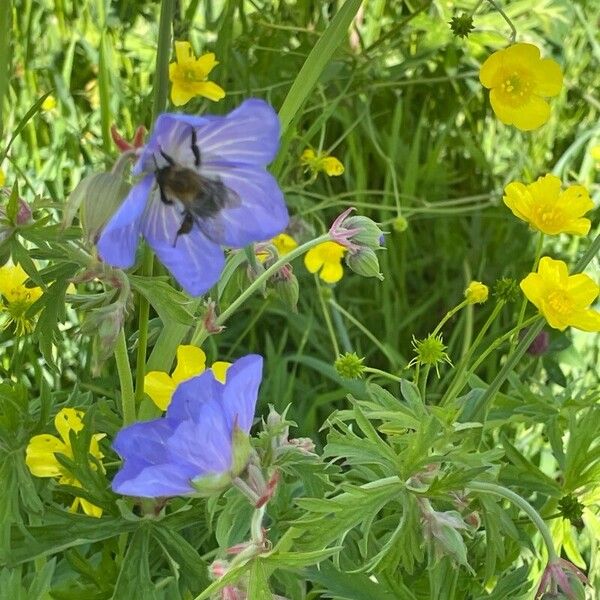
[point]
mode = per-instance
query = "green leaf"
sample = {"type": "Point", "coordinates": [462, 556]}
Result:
{"type": "Point", "coordinates": [170, 304]}
{"type": "Point", "coordinates": [258, 583]}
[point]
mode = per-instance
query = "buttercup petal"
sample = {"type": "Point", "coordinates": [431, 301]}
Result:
{"type": "Point", "coordinates": [40, 458]}
{"type": "Point", "coordinates": [180, 94]}
{"type": "Point", "coordinates": [582, 289]}
{"type": "Point", "coordinates": [553, 272]}
{"type": "Point", "coordinates": [532, 115]}
{"type": "Point", "coordinates": [534, 288]}
{"type": "Point", "coordinates": [219, 369]}
{"type": "Point", "coordinates": [191, 361]}
{"type": "Point", "coordinates": [586, 320]}
{"type": "Point", "coordinates": [183, 52]}
{"type": "Point", "coordinates": [160, 387]}
{"type": "Point", "coordinates": [490, 72]}
{"type": "Point", "coordinates": [518, 198]}
{"type": "Point", "coordinates": [314, 260]}
{"type": "Point", "coordinates": [67, 420]}
{"type": "Point", "coordinates": [206, 63]}
{"type": "Point", "coordinates": [576, 201]}
{"type": "Point", "coordinates": [331, 272]}
{"type": "Point", "coordinates": [545, 188]}
{"type": "Point", "coordinates": [208, 89]}
{"type": "Point", "coordinates": [548, 78]}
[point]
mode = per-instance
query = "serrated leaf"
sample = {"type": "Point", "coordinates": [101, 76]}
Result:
{"type": "Point", "coordinates": [170, 304]}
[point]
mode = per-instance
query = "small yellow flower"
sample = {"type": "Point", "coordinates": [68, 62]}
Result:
{"type": "Point", "coordinates": [326, 258]}
{"type": "Point", "coordinates": [49, 103]}
{"type": "Point", "coordinates": [315, 163]}
{"type": "Point", "coordinates": [189, 76]}
{"type": "Point", "coordinates": [477, 292]}
{"type": "Point", "coordinates": [2, 178]}
{"type": "Point", "coordinates": [519, 80]}
{"type": "Point", "coordinates": [40, 455]}
{"type": "Point", "coordinates": [283, 243]}
{"type": "Point", "coordinates": [564, 300]}
{"type": "Point", "coordinates": [549, 209]}
{"type": "Point", "coordinates": [17, 298]}
{"type": "Point", "coordinates": [191, 361]}
{"type": "Point", "coordinates": [595, 152]}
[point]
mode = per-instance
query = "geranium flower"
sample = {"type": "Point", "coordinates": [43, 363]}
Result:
{"type": "Point", "coordinates": [40, 455]}
{"type": "Point", "coordinates": [546, 208]}
{"type": "Point", "coordinates": [202, 441]}
{"type": "Point", "coordinates": [519, 80]}
{"type": "Point", "coordinates": [189, 76]}
{"type": "Point", "coordinates": [317, 162]}
{"type": "Point", "coordinates": [17, 298]}
{"type": "Point", "coordinates": [326, 258]}
{"type": "Point", "coordinates": [191, 361]}
{"type": "Point", "coordinates": [564, 300]}
{"type": "Point", "coordinates": [229, 155]}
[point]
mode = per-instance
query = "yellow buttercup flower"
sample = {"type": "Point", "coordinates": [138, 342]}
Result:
{"type": "Point", "coordinates": [477, 292]}
{"type": "Point", "coordinates": [564, 300]}
{"type": "Point", "coordinates": [40, 455]}
{"type": "Point", "coordinates": [519, 81]}
{"type": "Point", "coordinates": [549, 209]}
{"type": "Point", "coordinates": [191, 361]}
{"type": "Point", "coordinates": [189, 76]}
{"type": "Point", "coordinates": [326, 258]}
{"type": "Point", "coordinates": [49, 103]}
{"type": "Point", "coordinates": [317, 162]}
{"type": "Point", "coordinates": [283, 243]}
{"type": "Point", "coordinates": [16, 298]}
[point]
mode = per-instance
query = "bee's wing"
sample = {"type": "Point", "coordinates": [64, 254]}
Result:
{"type": "Point", "coordinates": [210, 216]}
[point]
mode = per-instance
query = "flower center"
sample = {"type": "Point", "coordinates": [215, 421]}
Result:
{"type": "Point", "coordinates": [560, 302]}
{"type": "Point", "coordinates": [192, 75]}
{"type": "Point", "coordinates": [550, 216]}
{"type": "Point", "coordinates": [516, 88]}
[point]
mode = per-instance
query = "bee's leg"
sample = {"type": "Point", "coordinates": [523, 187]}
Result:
{"type": "Point", "coordinates": [163, 197]}
{"type": "Point", "coordinates": [195, 149]}
{"type": "Point", "coordinates": [185, 227]}
{"type": "Point", "coordinates": [166, 157]}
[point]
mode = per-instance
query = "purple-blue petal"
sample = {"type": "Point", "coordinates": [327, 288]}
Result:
{"type": "Point", "coordinates": [195, 261]}
{"type": "Point", "coordinates": [137, 478]}
{"type": "Point", "coordinates": [241, 391]}
{"type": "Point", "coordinates": [261, 213]}
{"type": "Point", "coordinates": [119, 238]}
{"type": "Point", "coordinates": [191, 396]}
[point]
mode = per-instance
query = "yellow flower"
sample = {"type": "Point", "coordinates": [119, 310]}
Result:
{"type": "Point", "coordinates": [49, 103]}
{"type": "Point", "coordinates": [2, 178]}
{"type": "Point", "coordinates": [326, 258]}
{"type": "Point", "coordinates": [519, 80]}
{"type": "Point", "coordinates": [564, 300]}
{"type": "Point", "coordinates": [189, 76]}
{"type": "Point", "coordinates": [191, 361]}
{"type": "Point", "coordinates": [321, 162]}
{"type": "Point", "coordinates": [40, 455]}
{"type": "Point", "coordinates": [283, 243]}
{"type": "Point", "coordinates": [477, 292]}
{"type": "Point", "coordinates": [17, 298]}
{"type": "Point", "coordinates": [547, 208]}
{"type": "Point", "coordinates": [595, 152]}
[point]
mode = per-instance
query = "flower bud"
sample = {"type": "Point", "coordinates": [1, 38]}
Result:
{"type": "Point", "coordinates": [286, 288]}
{"type": "Point", "coordinates": [96, 197]}
{"type": "Point", "coordinates": [368, 233]}
{"type": "Point", "coordinates": [400, 224]}
{"type": "Point", "coordinates": [462, 25]}
{"type": "Point", "coordinates": [477, 292]}
{"type": "Point", "coordinates": [364, 262]}
{"type": "Point", "coordinates": [540, 344]}
{"type": "Point", "coordinates": [349, 365]}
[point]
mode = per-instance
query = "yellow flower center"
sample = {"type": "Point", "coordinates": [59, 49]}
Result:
{"type": "Point", "coordinates": [191, 75]}
{"type": "Point", "coordinates": [560, 302]}
{"type": "Point", "coordinates": [550, 216]}
{"type": "Point", "coordinates": [516, 88]}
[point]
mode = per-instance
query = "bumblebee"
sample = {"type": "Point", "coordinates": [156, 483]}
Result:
{"type": "Point", "coordinates": [202, 198]}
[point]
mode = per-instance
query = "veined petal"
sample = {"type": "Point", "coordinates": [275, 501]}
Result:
{"type": "Point", "coordinates": [549, 78]}
{"type": "Point", "coordinates": [518, 198]}
{"type": "Point", "coordinates": [554, 272]}
{"type": "Point", "coordinates": [241, 391]}
{"type": "Point", "coordinates": [144, 441]}
{"type": "Point", "coordinates": [160, 387]}
{"type": "Point", "coordinates": [154, 481]}
{"type": "Point", "coordinates": [248, 135]}
{"type": "Point", "coordinates": [191, 361]}
{"type": "Point", "coordinates": [40, 458]}
{"type": "Point", "coordinates": [260, 214]}
{"type": "Point", "coordinates": [191, 396]}
{"type": "Point", "coordinates": [119, 238]}
{"type": "Point", "coordinates": [195, 261]}
{"type": "Point", "coordinates": [586, 320]}
{"type": "Point", "coordinates": [582, 289]}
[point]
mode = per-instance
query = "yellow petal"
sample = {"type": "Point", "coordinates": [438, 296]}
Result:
{"type": "Point", "coordinates": [522, 55]}
{"type": "Point", "coordinates": [91, 510]}
{"type": "Point", "coordinates": [586, 320]}
{"type": "Point", "coordinates": [489, 74]}
{"type": "Point", "coordinates": [313, 260]}
{"type": "Point", "coordinates": [284, 243]}
{"type": "Point", "coordinates": [66, 420]}
{"type": "Point", "coordinates": [191, 361]}
{"type": "Point", "coordinates": [208, 89]}
{"type": "Point", "coordinates": [577, 227]}
{"type": "Point", "coordinates": [518, 198]}
{"type": "Point", "coordinates": [331, 272]}
{"type": "Point", "coordinates": [219, 369]}
{"type": "Point", "coordinates": [206, 63]}
{"type": "Point", "coordinates": [545, 188]}
{"type": "Point", "coordinates": [183, 52]}
{"type": "Point", "coordinates": [582, 289]}
{"type": "Point", "coordinates": [160, 387]}
{"type": "Point", "coordinates": [40, 458]}
{"type": "Point", "coordinates": [332, 166]}
{"type": "Point", "coordinates": [557, 320]}
{"type": "Point", "coordinates": [576, 201]}
{"type": "Point", "coordinates": [526, 117]}
{"type": "Point", "coordinates": [548, 78]}
{"type": "Point", "coordinates": [554, 272]}
{"type": "Point", "coordinates": [534, 288]}
{"type": "Point", "coordinates": [2, 178]}
{"type": "Point", "coordinates": [307, 156]}
{"type": "Point", "coordinates": [180, 94]}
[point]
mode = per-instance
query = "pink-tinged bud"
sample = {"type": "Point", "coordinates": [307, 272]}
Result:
{"type": "Point", "coordinates": [305, 445]}
{"type": "Point", "coordinates": [230, 592]}
{"type": "Point", "coordinates": [122, 144]}
{"type": "Point", "coordinates": [269, 491]}
{"type": "Point", "coordinates": [562, 576]}
{"type": "Point", "coordinates": [23, 213]}
{"type": "Point", "coordinates": [356, 233]}
{"type": "Point", "coordinates": [209, 319]}
{"type": "Point", "coordinates": [218, 568]}
{"type": "Point", "coordinates": [540, 344]}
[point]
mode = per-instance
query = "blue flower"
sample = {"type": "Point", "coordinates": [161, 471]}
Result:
{"type": "Point", "coordinates": [204, 186]}
{"type": "Point", "coordinates": [201, 437]}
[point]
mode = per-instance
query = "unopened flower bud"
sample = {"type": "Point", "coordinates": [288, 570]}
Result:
{"type": "Point", "coordinates": [400, 224]}
{"type": "Point", "coordinates": [477, 292]}
{"type": "Point", "coordinates": [462, 25]}
{"type": "Point", "coordinates": [368, 233]}
{"type": "Point", "coordinates": [349, 365]}
{"type": "Point", "coordinates": [540, 344]}
{"type": "Point", "coordinates": [286, 288]}
{"type": "Point", "coordinates": [364, 262]}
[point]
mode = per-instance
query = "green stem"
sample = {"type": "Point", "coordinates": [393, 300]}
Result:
{"type": "Point", "coordinates": [161, 86]}
{"type": "Point", "coordinates": [513, 31]}
{"type": "Point", "coordinates": [327, 317]}
{"type": "Point", "coordinates": [200, 334]}
{"type": "Point", "coordinates": [448, 315]}
{"type": "Point", "coordinates": [498, 490]}
{"type": "Point", "coordinates": [125, 381]}
{"type": "Point", "coordinates": [385, 374]}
